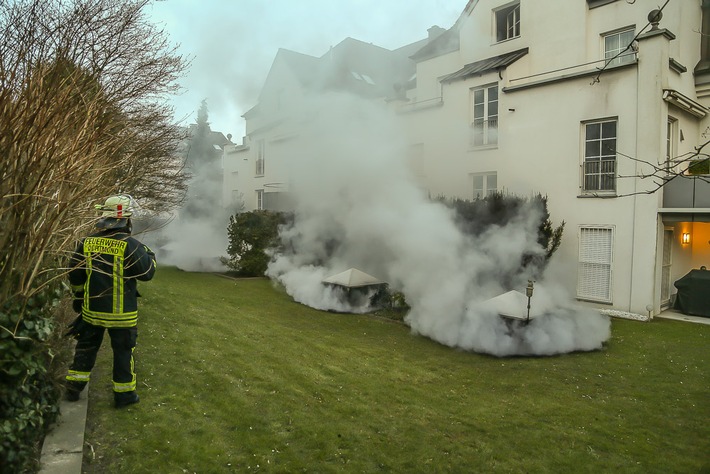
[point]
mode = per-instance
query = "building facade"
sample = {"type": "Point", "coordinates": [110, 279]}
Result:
{"type": "Point", "coordinates": [601, 105]}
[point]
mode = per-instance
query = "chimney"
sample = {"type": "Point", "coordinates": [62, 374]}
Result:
{"type": "Point", "coordinates": [434, 32]}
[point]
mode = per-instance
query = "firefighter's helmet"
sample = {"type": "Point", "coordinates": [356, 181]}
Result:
{"type": "Point", "coordinates": [115, 212]}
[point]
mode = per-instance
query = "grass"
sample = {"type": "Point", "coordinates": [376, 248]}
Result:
{"type": "Point", "coordinates": [236, 377]}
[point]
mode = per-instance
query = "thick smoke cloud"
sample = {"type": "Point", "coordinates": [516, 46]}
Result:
{"type": "Point", "coordinates": [195, 237]}
{"type": "Point", "coordinates": [232, 44]}
{"type": "Point", "coordinates": [359, 206]}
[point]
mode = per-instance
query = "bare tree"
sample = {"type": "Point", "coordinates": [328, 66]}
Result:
{"type": "Point", "coordinates": [693, 164]}
{"type": "Point", "coordinates": [83, 85]}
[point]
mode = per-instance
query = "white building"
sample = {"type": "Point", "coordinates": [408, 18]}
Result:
{"type": "Point", "coordinates": [536, 96]}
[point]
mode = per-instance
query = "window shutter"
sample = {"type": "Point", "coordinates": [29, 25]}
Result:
{"type": "Point", "coordinates": [595, 258]}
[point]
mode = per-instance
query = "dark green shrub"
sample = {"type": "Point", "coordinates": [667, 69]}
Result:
{"type": "Point", "coordinates": [699, 167]}
{"type": "Point", "coordinates": [250, 235]}
{"type": "Point", "coordinates": [29, 389]}
{"type": "Point", "coordinates": [498, 209]}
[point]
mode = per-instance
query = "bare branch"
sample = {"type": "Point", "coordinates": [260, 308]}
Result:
{"type": "Point", "coordinates": [83, 85]}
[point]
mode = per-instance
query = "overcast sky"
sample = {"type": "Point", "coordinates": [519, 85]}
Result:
{"type": "Point", "coordinates": [232, 43]}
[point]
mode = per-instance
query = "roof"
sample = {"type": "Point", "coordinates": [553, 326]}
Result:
{"type": "Point", "coordinates": [445, 43]}
{"type": "Point", "coordinates": [214, 138]}
{"type": "Point", "coordinates": [352, 65]}
{"type": "Point", "coordinates": [485, 65]}
{"type": "Point", "coordinates": [353, 278]}
{"type": "Point", "coordinates": [364, 69]}
{"type": "Point", "coordinates": [302, 65]}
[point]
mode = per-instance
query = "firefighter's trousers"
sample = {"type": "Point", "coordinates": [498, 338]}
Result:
{"type": "Point", "coordinates": [123, 341]}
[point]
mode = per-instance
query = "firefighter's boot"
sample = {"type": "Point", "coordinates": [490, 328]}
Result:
{"type": "Point", "coordinates": [125, 398]}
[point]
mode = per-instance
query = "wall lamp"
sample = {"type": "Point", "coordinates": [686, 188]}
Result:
{"type": "Point", "coordinates": [685, 239]}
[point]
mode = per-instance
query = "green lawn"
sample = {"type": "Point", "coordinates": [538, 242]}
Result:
{"type": "Point", "coordinates": [236, 377]}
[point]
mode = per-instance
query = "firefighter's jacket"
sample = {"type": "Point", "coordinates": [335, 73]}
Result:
{"type": "Point", "coordinates": [103, 273]}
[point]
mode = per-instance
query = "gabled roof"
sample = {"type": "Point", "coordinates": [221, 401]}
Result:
{"type": "Point", "coordinates": [214, 138]}
{"type": "Point", "coordinates": [445, 43]}
{"type": "Point", "coordinates": [365, 69]}
{"type": "Point", "coordinates": [302, 65]}
{"type": "Point", "coordinates": [353, 278]}
{"type": "Point", "coordinates": [485, 65]}
{"type": "Point", "coordinates": [351, 65]}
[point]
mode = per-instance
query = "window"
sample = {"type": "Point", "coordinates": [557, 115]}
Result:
{"type": "Point", "coordinates": [600, 156]}
{"type": "Point", "coordinates": [507, 22]}
{"type": "Point", "coordinates": [259, 199]}
{"type": "Point", "coordinates": [260, 152]}
{"type": "Point", "coordinates": [595, 258]}
{"type": "Point", "coordinates": [485, 115]}
{"type": "Point", "coordinates": [484, 184]}
{"type": "Point", "coordinates": [617, 44]}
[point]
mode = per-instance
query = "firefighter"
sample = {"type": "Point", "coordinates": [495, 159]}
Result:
{"type": "Point", "coordinates": [104, 270]}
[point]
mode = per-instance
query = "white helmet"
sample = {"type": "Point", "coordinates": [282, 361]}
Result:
{"type": "Point", "coordinates": [119, 207]}
{"type": "Point", "coordinates": [115, 212]}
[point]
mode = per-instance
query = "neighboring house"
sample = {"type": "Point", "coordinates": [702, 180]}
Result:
{"type": "Point", "coordinates": [544, 96]}
{"type": "Point", "coordinates": [214, 143]}
{"type": "Point", "coordinates": [256, 172]}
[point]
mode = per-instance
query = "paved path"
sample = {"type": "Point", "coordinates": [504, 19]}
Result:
{"type": "Point", "coordinates": [63, 447]}
{"type": "Point", "coordinates": [672, 314]}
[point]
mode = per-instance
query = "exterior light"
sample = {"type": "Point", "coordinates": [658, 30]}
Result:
{"type": "Point", "coordinates": [529, 293]}
{"type": "Point", "coordinates": [686, 238]}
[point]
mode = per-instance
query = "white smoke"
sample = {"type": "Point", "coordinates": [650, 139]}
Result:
{"type": "Point", "coordinates": [359, 206]}
{"type": "Point", "coordinates": [194, 244]}
{"type": "Point", "coordinates": [194, 238]}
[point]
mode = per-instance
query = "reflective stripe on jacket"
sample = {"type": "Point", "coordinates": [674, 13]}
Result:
{"type": "Point", "coordinates": [105, 267]}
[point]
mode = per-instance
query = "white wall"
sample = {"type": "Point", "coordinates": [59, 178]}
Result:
{"type": "Point", "coordinates": [540, 146]}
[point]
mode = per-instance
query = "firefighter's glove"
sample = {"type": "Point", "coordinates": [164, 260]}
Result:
{"type": "Point", "coordinates": [75, 328]}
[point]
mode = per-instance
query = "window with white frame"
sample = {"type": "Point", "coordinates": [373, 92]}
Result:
{"type": "Point", "coordinates": [259, 199]}
{"type": "Point", "coordinates": [484, 111]}
{"type": "Point", "coordinates": [616, 46]}
{"type": "Point", "coordinates": [484, 184]}
{"type": "Point", "coordinates": [594, 276]}
{"type": "Point", "coordinates": [260, 155]}
{"type": "Point", "coordinates": [507, 22]}
{"type": "Point", "coordinates": [600, 157]}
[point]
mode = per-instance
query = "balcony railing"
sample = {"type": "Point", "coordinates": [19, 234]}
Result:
{"type": "Point", "coordinates": [484, 132]}
{"type": "Point", "coordinates": [687, 192]}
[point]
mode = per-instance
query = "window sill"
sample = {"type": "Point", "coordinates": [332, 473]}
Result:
{"type": "Point", "coordinates": [482, 147]}
{"type": "Point", "coordinates": [590, 300]}
{"type": "Point", "coordinates": [507, 40]}
{"type": "Point", "coordinates": [599, 195]}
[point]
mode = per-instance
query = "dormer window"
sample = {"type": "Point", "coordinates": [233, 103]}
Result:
{"type": "Point", "coordinates": [507, 22]}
